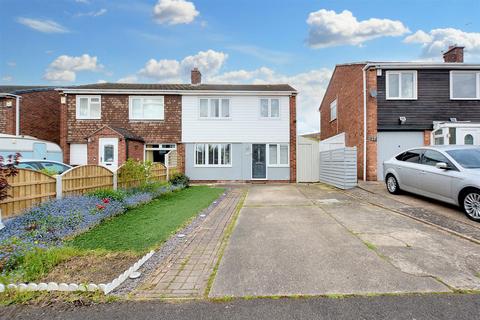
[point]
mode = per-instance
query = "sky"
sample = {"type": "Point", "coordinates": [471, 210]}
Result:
{"type": "Point", "coordinates": [299, 42]}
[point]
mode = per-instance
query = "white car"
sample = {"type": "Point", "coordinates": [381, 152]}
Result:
{"type": "Point", "coordinates": [446, 173]}
{"type": "Point", "coordinates": [52, 166]}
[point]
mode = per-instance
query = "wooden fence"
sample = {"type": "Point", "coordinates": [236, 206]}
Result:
{"type": "Point", "coordinates": [30, 187]}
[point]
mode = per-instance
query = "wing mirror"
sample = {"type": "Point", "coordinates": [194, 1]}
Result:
{"type": "Point", "coordinates": [442, 165]}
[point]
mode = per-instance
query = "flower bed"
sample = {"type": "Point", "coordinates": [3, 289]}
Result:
{"type": "Point", "coordinates": [49, 223]}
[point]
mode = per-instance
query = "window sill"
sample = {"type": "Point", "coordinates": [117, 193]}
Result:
{"type": "Point", "coordinates": [279, 166]}
{"type": "Point", "coordinates": [212, 166]}
{"type": "Point", "coordinates": [146, 120]}
{"type": "Point", "coordinates": [406, 99]}
{"type": "Point", "coordinates": [215, 119]}
{"type": "Point", "coordinates": [465, 99]}
{"type": "Point", "coordinates": [88, 118]}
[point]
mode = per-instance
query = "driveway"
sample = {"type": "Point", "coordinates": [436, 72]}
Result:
{"type": "Point", "coordinates": [316, 240]}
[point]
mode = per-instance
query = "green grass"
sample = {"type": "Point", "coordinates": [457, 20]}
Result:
{"type": "Point", "coordinates": [145, 227]}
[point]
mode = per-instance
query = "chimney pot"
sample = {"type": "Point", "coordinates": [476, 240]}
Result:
{"type": "Point", "coordinates": [453, 54]}
{"type": "Point", "coordinates": [196, 76]}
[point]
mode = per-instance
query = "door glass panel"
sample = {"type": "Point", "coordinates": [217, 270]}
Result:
{"type": "Point", "coordinates": [259, 165]}
{"type": "Point", "coordinates": [108, 153]}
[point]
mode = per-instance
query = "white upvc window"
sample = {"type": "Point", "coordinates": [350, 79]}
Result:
{"type": "Point", "coordinates": [401, 85]}
{"type": "Point", "coordinates": [89, 107]}
{"type": "Point", "coordinates": [214, 108]}
{"type": "Point", "coordinates": [146, 108]}
{"type": "Point", "coordinates": [333, 110]}
{"type": "Point", "coordinates": [465, 85]}
{"type": "Point", "coordinates": [278, 155]}
{"type": "Point", "coordinates": [270, 108]}
{"type": "Point", "coordinates": [213, 155]}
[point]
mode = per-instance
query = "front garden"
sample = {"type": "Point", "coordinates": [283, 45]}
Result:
{"type": "Point", "coordinates": [97, 236]}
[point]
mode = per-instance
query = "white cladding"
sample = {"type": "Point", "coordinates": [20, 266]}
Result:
{"type": "Point", "coordinates": [244, 124]}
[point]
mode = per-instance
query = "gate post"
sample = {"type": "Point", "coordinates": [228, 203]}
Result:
{"type": "Point", "coordinates": [59, 186]}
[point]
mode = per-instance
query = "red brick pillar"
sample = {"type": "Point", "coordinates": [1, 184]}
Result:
{"type": "Point", "coordinates": [181, 157]}
{"type": "Point", "coordinates": [427, 137]}
{"type": "Point", "coordinates": [293, 138]}
{"type": "Point", "coordinates": [64, 129]}
{"type": "Point", "coordinates": [371, 126]}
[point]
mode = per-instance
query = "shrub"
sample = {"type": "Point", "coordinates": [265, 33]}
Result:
{"type": "Point", "coordinates": [179, 179]}
{"type": "Point", "coordinates": [118, 195]}
{"type": "Point", "coordinates": [134, 170]}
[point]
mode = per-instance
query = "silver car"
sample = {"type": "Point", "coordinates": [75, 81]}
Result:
{"type": "Point", "coordinates": [446, 173]}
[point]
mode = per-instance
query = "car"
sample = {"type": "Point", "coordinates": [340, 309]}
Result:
{"type": "Point", "coordinates": [447, 173]}
{"type": "Point", "coordinates": [50, 166]}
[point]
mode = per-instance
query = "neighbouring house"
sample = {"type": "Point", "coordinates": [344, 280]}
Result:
{"type": "Point", "coordinates": [219, 131]}
{"type": "Point", "coordinates": [383, 108]}
{"type": "Point", "coordinates": [39, 112]}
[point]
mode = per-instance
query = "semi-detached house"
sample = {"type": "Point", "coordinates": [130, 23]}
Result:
{"type": "Point", "coordinates": [221, 132]}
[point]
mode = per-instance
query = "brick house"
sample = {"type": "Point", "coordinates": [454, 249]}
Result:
{"type": "Point", "coordinates": [39, 114]}
{"type": "Point", "coordinates": [383, 108]}
{"type": "Point", "coordinates": [217, 130]}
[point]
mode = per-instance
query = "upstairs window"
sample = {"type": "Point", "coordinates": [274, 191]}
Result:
{"type": "Point", "coordinates": [147, 108]}
{"type": "Point", "coordinates": [269, 108]}
{"type": "Point", "coordinates": [89, 107]}
{"type": "Point", "coordinates": [464, 85]}
{"type": "Point", "coordinates": [401, 85]}
{"type": "Point", "coordinates": [333, 110]}
{"type": "Point", "coordinates": [214, 108]}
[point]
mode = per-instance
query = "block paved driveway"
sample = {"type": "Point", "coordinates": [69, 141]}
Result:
{"type": "Point", "coordinates": [315, 240]}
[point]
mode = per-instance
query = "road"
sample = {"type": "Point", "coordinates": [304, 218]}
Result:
{"type": "Point", "coordinates": [437, 306]}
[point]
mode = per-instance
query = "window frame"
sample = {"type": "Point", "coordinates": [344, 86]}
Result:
{"type": "Point", "coordinates": [206, 148]}
{"type": "Point", "coordinates": [477, 82]}
{"type": "Point", "coordinates": [269, 116]}
{"type": "Point", "coordinates": [209, 108]}
{"type": "Point", "coordinates": [130, 108]}
{"type": "Point", "coordinates": [88, 117]}
{"type": "Point", "coordinates": [400, 72]}
{"type": "Point", "coordinates": [278, 164]}
{"type": "Point", "coordinates": [336, 110]}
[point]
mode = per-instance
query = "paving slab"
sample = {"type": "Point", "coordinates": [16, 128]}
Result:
{"type": "Point", "coordinates": [297, 248]}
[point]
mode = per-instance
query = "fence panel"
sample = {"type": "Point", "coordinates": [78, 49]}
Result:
{"type": "Point", "coordinates": [28, 188]}
{"type": "Point", "coordinates": [82, 179]}
{"type": "Point", "coordinates": [339, 167]}
{"type": "Point", "coordinates": [159, 172]}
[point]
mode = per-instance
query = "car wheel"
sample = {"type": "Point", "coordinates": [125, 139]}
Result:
{"type": "Point", "coordinates": [392, 184]}
{"type": "Point", "coordinates": [471, 204]}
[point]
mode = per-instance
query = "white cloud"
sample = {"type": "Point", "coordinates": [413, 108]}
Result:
{"type": "Point", "coordinates": [83, 1]}
{"type": "Point", "coordinates": [273, 56]}
{"type": "Point", "coordinates": [174, 12]}
{"type": "Point", "coordinates": [11, 64]}
{"type": "Point", "coordinates": [102, 81]}
{"type": "Point", "coordinates": [98, 13]}
{"type": "Point", "coordinates": [46, 26]}
{"type": "Point", "coordinates": [328, 29]}
{"type": "Point", "coordinates": [208, 62]}
{"type": "Point", "coordinates": [128, 79]}
{"type": "Point", "coordinates": [7, 78]}
{"type": "Point", "coordinates": [438, 40]}
{"type": "Point", "coordinates": [64, 68]}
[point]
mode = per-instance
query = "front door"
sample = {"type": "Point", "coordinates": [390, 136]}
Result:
{"type": "Point", "coordinates": [108, 152]}
{"type": "Point", "coordinates": [259, 161]}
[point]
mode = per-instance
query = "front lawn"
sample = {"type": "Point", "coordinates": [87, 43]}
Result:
{"type": "Point", "coordinates": [147, 226]}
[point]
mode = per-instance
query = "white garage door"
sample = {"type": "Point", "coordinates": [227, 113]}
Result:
{"type": "Point", "coordinates": [78, 154]}
{"type": "Point", "coordinates": [390, 143]}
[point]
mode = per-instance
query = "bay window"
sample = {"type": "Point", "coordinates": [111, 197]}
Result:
{"type": "Point", "coordinates": [214, 108]}
{"type": "Point", "coordinates": [213, 155]}
{"type": "Point", "coordinates": [278, 155]}
{"type": "Point", "coordinates": [88, 107]}
{"type": "Point", "coordinates": [146, 108]}
{"type": "Point", "coordinates": [401, 85]}
{"type": "Point", "coordinates": [464, 85]}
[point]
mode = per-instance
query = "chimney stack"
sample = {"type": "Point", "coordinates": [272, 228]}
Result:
{"type": "Point", "coordinates": [196, 76]}
{"type": "Point", "coordinates": [453, 54]}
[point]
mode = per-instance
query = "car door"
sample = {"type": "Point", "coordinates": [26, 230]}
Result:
{"type": "Point", "coordinates": [409, 168]}
{"type": "Point", "coordinates": [437, 183]}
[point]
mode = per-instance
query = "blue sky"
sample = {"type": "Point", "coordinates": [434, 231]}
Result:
{"type": "Point", "coordinates": [86, 41]}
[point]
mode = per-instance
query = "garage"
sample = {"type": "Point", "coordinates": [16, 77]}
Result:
{"type": "Point", "coordinates": [390, 143]}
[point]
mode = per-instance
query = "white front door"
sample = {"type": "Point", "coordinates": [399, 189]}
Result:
{"type": "Point", "coordinates": [108, 153]}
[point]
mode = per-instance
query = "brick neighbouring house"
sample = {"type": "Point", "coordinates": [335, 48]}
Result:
{"type": "Point", "coordinates": [229, 122]}
{"type": "Point", "coordinates": [397, 118]}
{"type": "Point", "coordinates": [39, 112]}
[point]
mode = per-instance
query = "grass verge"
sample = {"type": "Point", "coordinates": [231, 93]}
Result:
{"type": "Point", "coordinates": [144, 227]}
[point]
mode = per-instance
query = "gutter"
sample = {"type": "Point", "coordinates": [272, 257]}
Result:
{"type": "Point", "coordinates": [177, 92]}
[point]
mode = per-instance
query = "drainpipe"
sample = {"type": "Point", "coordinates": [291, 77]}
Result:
{"type": "Point", "coordinates": [17, 116]}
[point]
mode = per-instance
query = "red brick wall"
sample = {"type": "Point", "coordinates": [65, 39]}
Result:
{"type": "Point", "coordinates": [293, 138]}
{"type": "Point", "coordinates": [346, 85]}
{"type": "Point", "coordinates": [136, 150]}
{"type": "Point", "coordinates": [427, 137]}
{"type": "Point", "coordinates": [39, 115]}
{"type": "Point", "coordinates": [93, 146]}
{"type": "Point", "coordinates": [371, 129]}
{"type": "Point", "coordinates": [115, 113]}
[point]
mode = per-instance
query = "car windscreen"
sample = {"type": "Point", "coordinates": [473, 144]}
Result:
{"type": "Point", "coordinates": [467, 158]}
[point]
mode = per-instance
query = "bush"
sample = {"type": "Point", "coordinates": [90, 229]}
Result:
{"type": "Point", "coordinates": [118, 195]}
{"type": "Point", "coordinates": [179, 179]}
{"type": "Point", "coordinates": [134, 170]}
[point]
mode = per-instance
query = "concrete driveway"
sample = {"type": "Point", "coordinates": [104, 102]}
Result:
{"type": "Point", "coordinates": [316, 240]}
